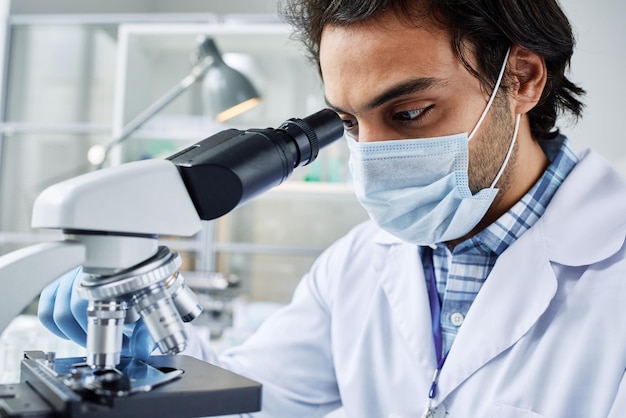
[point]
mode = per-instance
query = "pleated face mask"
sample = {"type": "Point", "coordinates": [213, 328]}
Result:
{"type": "Point", "coordinates": [418, 189]}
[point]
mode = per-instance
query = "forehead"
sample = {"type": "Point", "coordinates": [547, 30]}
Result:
{"type": "Point", "coordinates": [371, 56]}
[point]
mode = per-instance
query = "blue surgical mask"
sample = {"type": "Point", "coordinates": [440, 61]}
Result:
{"type": "Point", "coordinates": [418, 189]}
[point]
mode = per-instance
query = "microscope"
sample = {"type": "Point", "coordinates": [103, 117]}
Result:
{"type": "Point", "coordinates": [111, 220]}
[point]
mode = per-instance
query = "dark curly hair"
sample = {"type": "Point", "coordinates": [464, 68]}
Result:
{"type": "Point", "coordinates": [487, 27]}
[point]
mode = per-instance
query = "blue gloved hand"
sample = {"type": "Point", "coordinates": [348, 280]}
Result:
{"type": "Point", "coordinates": [64, 313]}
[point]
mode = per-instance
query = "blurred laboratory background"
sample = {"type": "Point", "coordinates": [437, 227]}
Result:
{"type": "Point", "coordinates": [75, 73]}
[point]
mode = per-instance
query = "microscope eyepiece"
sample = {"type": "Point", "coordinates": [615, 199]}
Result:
{"type": "Point", "coordinates": [227, 169]}
{"type": "Point", "coordinates": [312, 133]}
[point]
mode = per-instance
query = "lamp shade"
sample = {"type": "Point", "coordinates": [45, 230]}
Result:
{"type": "Point", "coordinates": [226, 92]}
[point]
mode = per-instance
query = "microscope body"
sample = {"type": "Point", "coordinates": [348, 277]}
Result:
{"type": "Point", "coordinates": [111, 220]}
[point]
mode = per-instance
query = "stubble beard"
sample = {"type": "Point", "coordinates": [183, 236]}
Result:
{"type": "Point", "coordinates": [493, 143]}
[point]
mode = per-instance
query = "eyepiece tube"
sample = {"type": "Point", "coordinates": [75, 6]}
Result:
{"type": "Point", "coordinates": [232, 166]}
{"type": "Point", "coordinates": [313, 132]}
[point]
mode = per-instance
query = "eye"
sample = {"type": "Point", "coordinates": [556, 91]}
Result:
{"type": "Point", "coordinates": [349, 124]}
{"type": "Point", "coordinates": [413, 115]}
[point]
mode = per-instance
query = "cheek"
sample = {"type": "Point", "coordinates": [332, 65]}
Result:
{"type": "Point", "coordinates": [469, 110]}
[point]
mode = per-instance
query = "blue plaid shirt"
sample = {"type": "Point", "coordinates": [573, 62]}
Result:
{"type": "Point", "coordinates": [461, 273]}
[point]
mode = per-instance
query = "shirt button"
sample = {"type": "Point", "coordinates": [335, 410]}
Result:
{"type": "Point", "coordinates": [457, 319]}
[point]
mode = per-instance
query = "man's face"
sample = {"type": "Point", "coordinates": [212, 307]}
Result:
{"type": "Point", "coordinates": [388, 80]}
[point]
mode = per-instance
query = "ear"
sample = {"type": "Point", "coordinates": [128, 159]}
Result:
{"type": "Point", "coordinates": [527, 77]}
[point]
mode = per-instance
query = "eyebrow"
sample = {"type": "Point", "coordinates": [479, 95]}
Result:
{"type": "Point", "coordinates": [411, 86]}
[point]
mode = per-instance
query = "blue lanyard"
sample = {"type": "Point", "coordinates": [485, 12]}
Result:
{"type": "Point", "coordinates": [435, 313]}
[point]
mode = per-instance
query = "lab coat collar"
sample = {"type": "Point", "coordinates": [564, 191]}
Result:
{"type": "Point", "coordinates": [589, 209]}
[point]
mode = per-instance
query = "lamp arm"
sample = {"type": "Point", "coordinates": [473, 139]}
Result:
{"type": "Point", "coordinates": [197, 72]}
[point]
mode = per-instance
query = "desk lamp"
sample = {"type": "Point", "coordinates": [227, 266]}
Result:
{"type": "Point", "coordinates": [228, 92]}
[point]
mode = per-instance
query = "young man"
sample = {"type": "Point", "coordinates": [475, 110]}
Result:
{"type": "Point", "coordinates": [490, 280]}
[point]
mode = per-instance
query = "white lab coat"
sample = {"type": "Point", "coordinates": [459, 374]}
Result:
{"type": "Point", "coordinates": [546, 336]}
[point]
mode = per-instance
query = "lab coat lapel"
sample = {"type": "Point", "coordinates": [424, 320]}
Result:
{"type": "Point", "coordinates": [405, 288]}
{"type": "Point", "coordinates": [510, 302]}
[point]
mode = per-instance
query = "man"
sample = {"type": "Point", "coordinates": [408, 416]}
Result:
{"type": "Point", "coordinates": [490, 281]}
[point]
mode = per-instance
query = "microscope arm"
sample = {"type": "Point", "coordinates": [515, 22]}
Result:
{"type": "Point", "coordinates": [44, 262]}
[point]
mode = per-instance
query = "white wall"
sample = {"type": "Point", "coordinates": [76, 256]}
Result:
{"type": "Point", "coordinates": [599, 64]}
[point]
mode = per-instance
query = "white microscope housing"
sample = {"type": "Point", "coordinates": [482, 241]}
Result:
{"type": "Point", "coordinates": [111, 220]}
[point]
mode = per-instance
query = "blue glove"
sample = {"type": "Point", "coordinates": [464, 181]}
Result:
{"type": "Point", "coordinates": [64, 313]}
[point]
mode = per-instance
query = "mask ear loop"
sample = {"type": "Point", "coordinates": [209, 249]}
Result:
{"type": "Point", "coordinates": [508, 154]}
{"type": "Point", "coordinates": [493, 95]}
